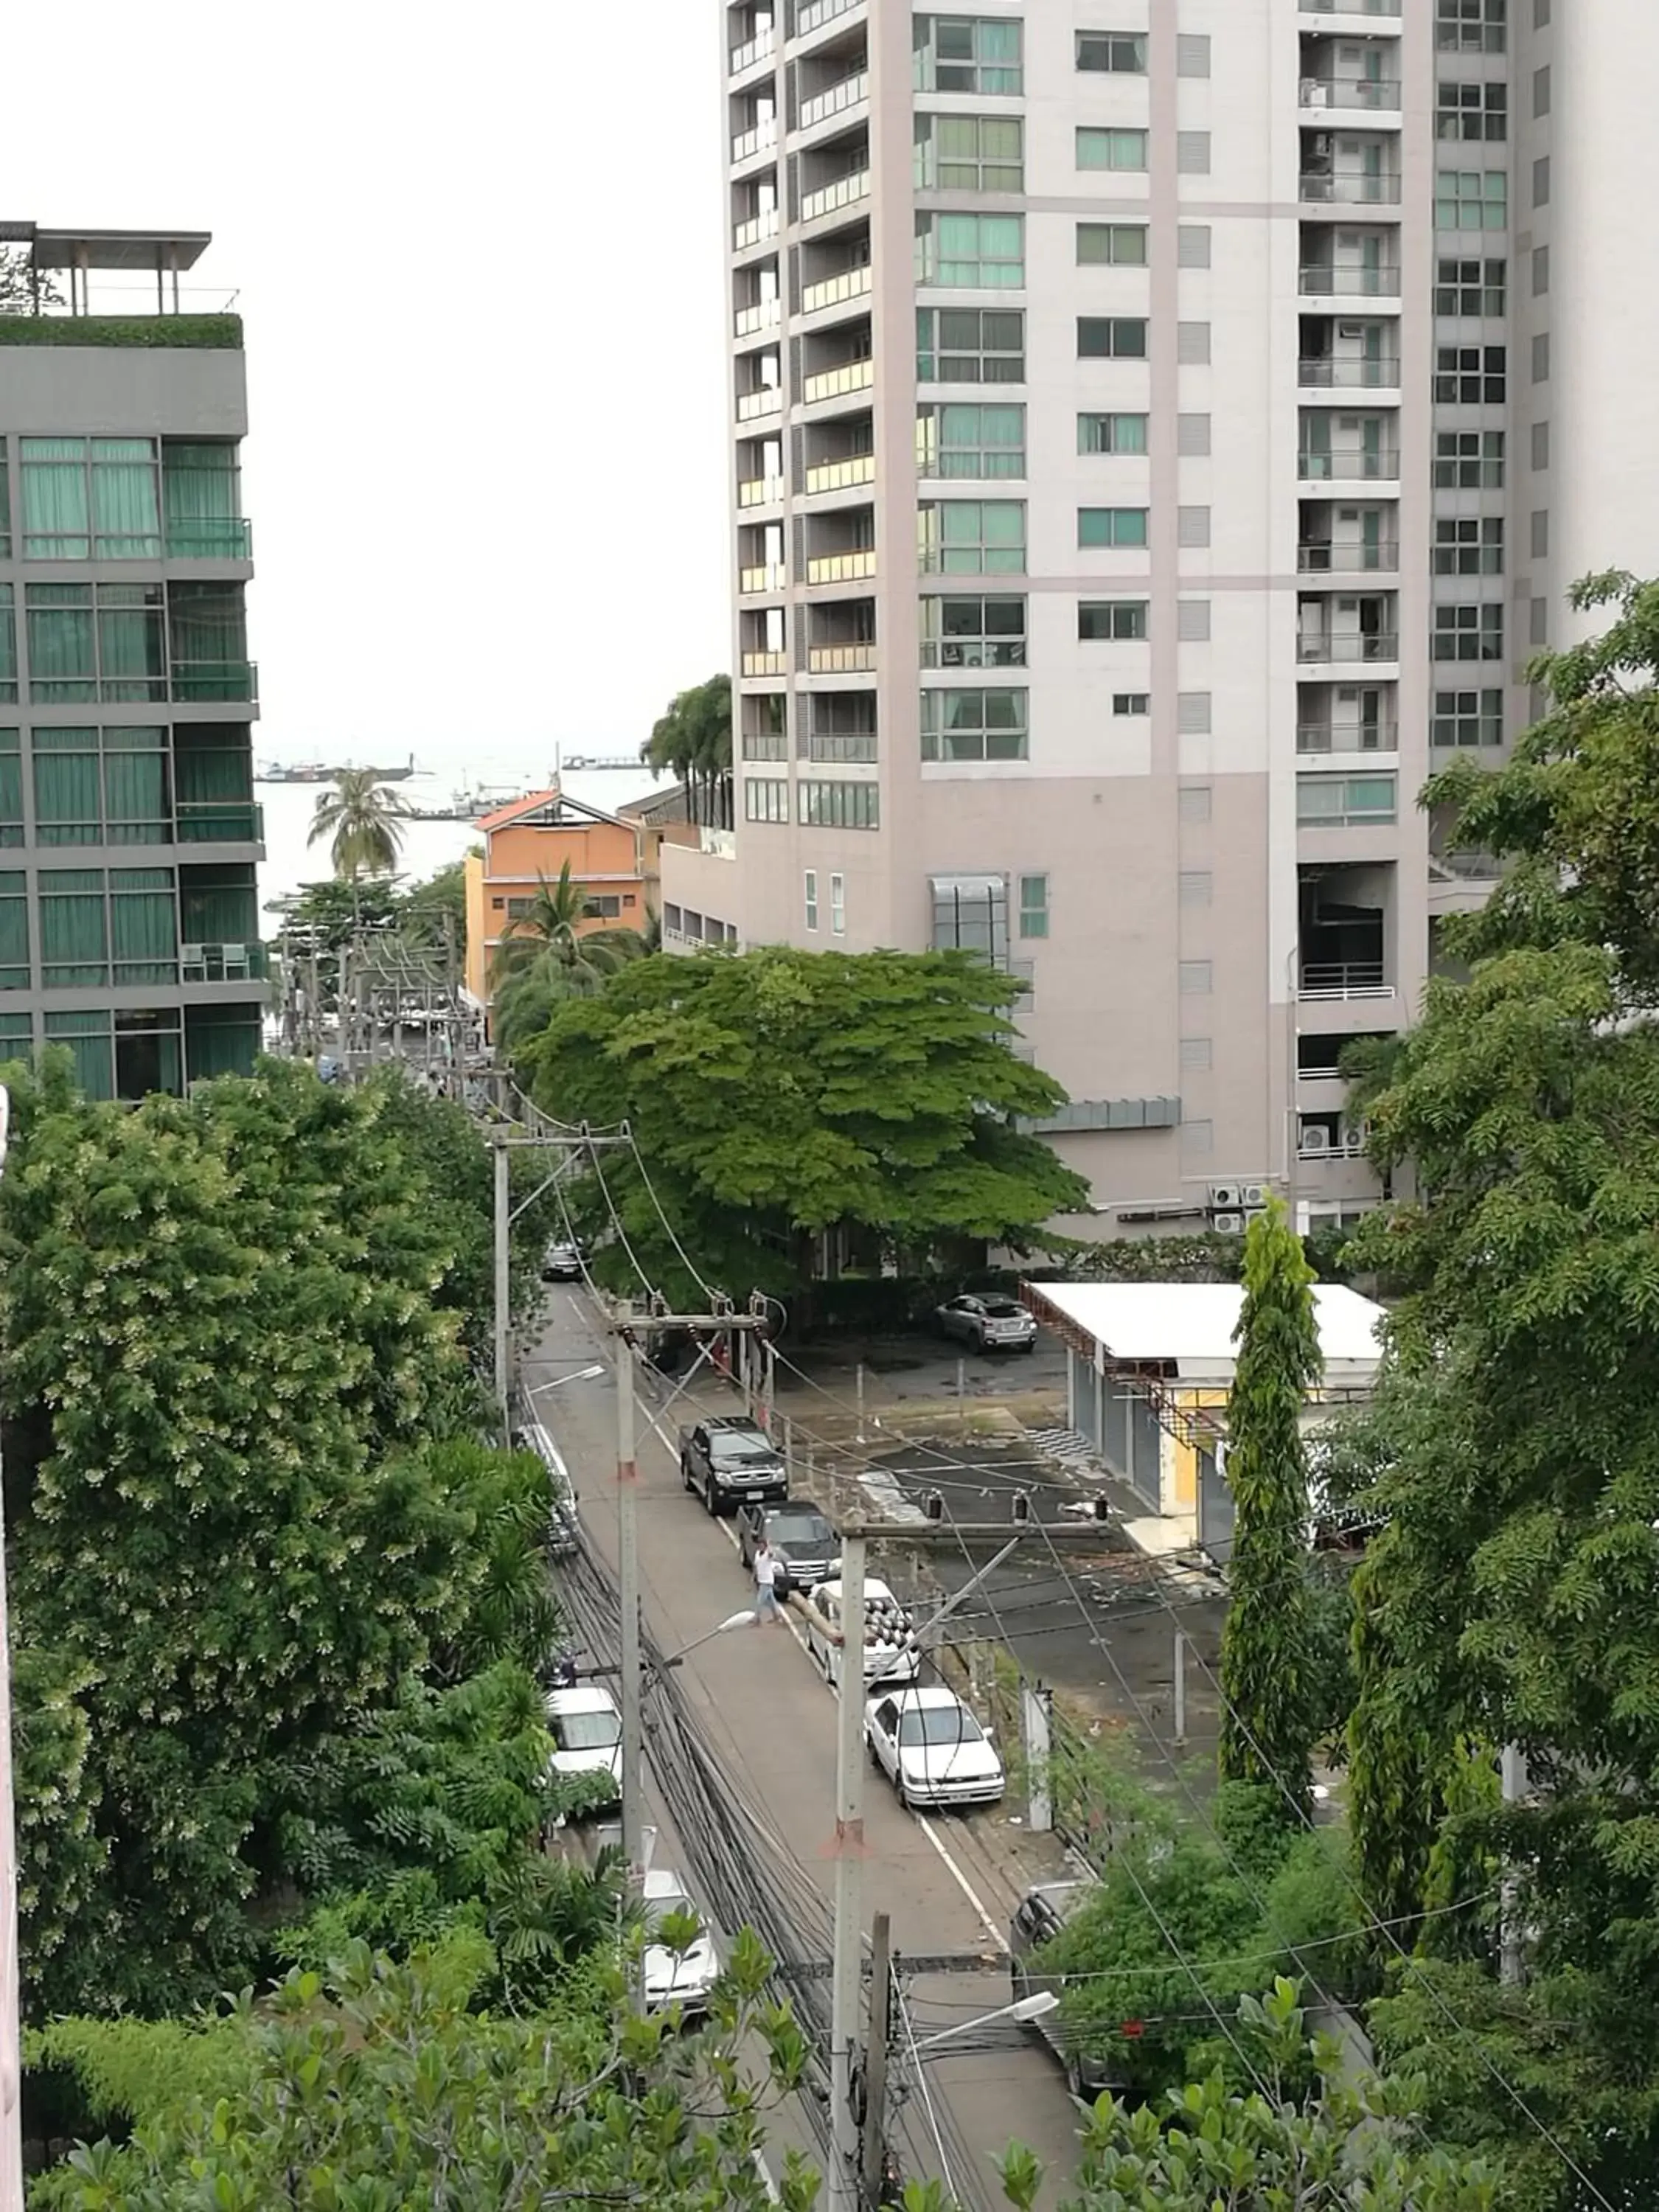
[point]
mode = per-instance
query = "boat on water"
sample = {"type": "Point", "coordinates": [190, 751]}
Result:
{"type": "Point", "coordinates": [319, 772]}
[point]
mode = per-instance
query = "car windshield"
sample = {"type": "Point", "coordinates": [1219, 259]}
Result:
{"type": "Point", "coordinates": [1004, 1309]}
{"type": "Point", "coordinates": [657, 1908]}
{"type": "Point", "coordinates": [727, 1445]}
{"type": "Point", "coordinates": [586, 1731]}
{"type": "Point", "coordinates": [939, 1724]}
{"type": "Point", "coordinates": [798, 1529]}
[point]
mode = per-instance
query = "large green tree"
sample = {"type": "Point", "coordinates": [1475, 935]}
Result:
{"type": "Point", "coordinates": [777, 1095]}
{"type": "Point", "coordinates": [363, 818]}
{"type": "Point", "coordinates": [546, 956]}
{"type": "Point", "coordinates": [1269, 1669]}
{"type": "Point", "coordinates": [693, 741]}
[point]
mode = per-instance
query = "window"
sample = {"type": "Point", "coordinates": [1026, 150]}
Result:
{"type": "Point", "coordinates": [1472, 111]}
{"type": "Point", "coordinates": [1468, 633]}
{"type": "Point", "coordinates": [812, 881]}
{"type": "Point", "coordinates": [1540, 91]}
{"type": "Point", "coordinates": [1111, 245]}
{"type": "Point", "coordinates": [971, 441]}
{"type": "Point", "coordinates": [970, 153]}
{"type": "Point", "coordinates": [974, 725]}
{"type": "Point", "coordinates": [96, 929]}
{"type": "Point", "coordinates": [1193, 433]}
{"type": "Point", "coordinates": [1541, 446]}
{"type": "Point", "coordinates": [1540, 181]}
{"type": "Point", "coordinates": [1469, 545]}
{"type": "Point", "coordinates": [1132, 702]}
{"type": "Point", "coordinates": [1111, 434]}
{"type": "Point", "coordinates": [1193, 245]}
{"type": "Point", "coordinates": [1194, 713]}
{"type": "Point", "coordinates": [765, 798]}
{"type": "Point", "coordinates": [1541, 533]}
{"type": "Point", "coordinates": [1192, 54]}
{"type": "Point", "coordinates": [7, 643]}
{"type": "Point", "coordinates": [1468, 460]}
{"type": "Point", "coordinates": [973, 632]}
{"type": "Point", "coordinates": [108, 645]}
{"type": "Point", "coordinates": [838, 906]}
{"type": "Point", "coordinates": [1331, 802]}
{"type": "Point", "coordinates": [1111, 149]}
{"type": "Point", "coordinates": [1120, 53]}
{"type": "Point", "coordinates": [967, 53]}
{"type": "Point", "coordinates": [1111, 621]}
{"type": "Point", "coordinates": [1471, 288]}
{"type": "Point", "coordinates": [838, 805]}
{"type": "Point", "coordinates": [1468, 376]}
{"type": "Point", "coordinates": [202, 500]}
{"type": "Point", "coordinates": [1193, 527]}
{"type": "Point", "coordinates": [970, 914]}
{"type": "Point", "coordinates": [1195, 979]}
{"type": "Point", "coordinates": [91, 792]}
{"type": "Point", "coordinates": [1111, 525]}
{"type": "Point", "coordinates": [970, 346]}
{"type": "Point", "coordinates": [765, 730]}
{"type": "Point", "coordinates": [1193, 621]}
{"type": "Point", "coordinates": [207, 635]}
{"type": "Point", "coordinates": [1195, 1052]}
{"type": "Point", "coordinates": [11, 787]}
{"type": "Point", "coordinates": [602, 906]}
{"type": "Point", "coordinates": [1540, 358]}
{"type": "Point", "coordinates": [1111, 337]}
{"type": "Point", "coordinates": [973, 253]}
{"type": "Point", "coordinates": [1470, 26]}
{"type": "Point", "coordinates": [1470, 200]}
{"type": "Point", "coordinates": [1467, 718]}
{"type": "Point", "coordinates": [14, 931]}
{"type": "Point", "coordinates": [1540, 270]}
{"type": "Point", "coordinates": [87, 496]}
{"type": "Point", "coordinates": [842, 727]}
{"type": "Point", "coordinates": [1034, 906]}
{"type": "Point", "coordinates": [972, 537]}
{"type": "Point", "coordinates": [1192, 152]}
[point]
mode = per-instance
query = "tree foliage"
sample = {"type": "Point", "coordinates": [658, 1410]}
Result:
{"type": "Point", "coordinates": [546, 956]}
{"type": "Point", "coordinates": [777, 1095]}
{"type": "Point", "coordinates": [693, 741]}
{"type": "Point", "coordinates": [362, 818]}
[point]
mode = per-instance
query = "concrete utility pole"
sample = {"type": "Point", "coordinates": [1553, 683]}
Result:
{"type": "Point", "coordinates": [874, 2158]}
{"type": "Point", "coordinates": [847, 1984]}
{"type": "Point", "coordinates": [11, 2062]}
{"type": "Point", "coordinates": [628, 1560]}
{"type": "Point", "coordinates": [503, 1286]}
{"type": "Point", "coordinates": [1512, 1941]}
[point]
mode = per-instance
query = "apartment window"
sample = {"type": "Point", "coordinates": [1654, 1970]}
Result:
{"type": "Point", "coordinates": [1119, 53]}
{"type": "Point", "coordinates": [1111, 245]}
{"type": "Point", "coordinates": [1541, 533]}
{"type": "Point", "coordinates": [1469, 545]}
{"type": "Point", "coordinates": [1111, 434]}
{"type": "Point", "coordinates": [970, 914]}
{"type": "Point", "coordinates": [1541, 446]}
{"type": "Point", "coordinates": [1472, 112]}
{"type": "Point", "coordinates": [7, 644]}
{"type": "Point", "coordinates": [1111, 621]}
{"type": "Point", "coordinates": [14, 931]}
{"type": "Point", "coordinates": [1540, 91]}
{"type": "Point", "coordinates": [607, 906]}
{"type": "Point", "coordinates": [971, 441]}
{"type": "Point", "coordinates": [86, 495]}
{"type": "Point", "coordinates": [972, 252]}
{"type": "Point", "coordinates": [1192, 54]}
{"type": "Point", "coordinates": [122, 927]}
{"type": "Point", "coordinates": [1540, 270]}
{"type": "Point", "coordinates": [1193, 153]}
{"type": "Point", "coordinates": [1540, 181]}
{"type": "Point", "coordinates": [1471, 288]}
{"type": "Point", "coordinates": [970, 153]}
{"type": "Point", "coordinates": [1467, 718]}
{"type": "Point", "coordinates": [1470, 200]}
{"type": "Point", "coordinates": [86, 645]}
{"type": "Point", "coordinates": [1118, 527]}
{"type": "Point", "coordinates": [1468, 633]}
{"type": "Point", "coordinates": [972, 631]}
{"type": "Point", "coordinates": [765, 798]}
{"type": "Point", "coordinates": [967, 53]}
{"type": "Point", "coordinates": [1195, 979]}
{"type": "Point", "coordinates": [1034, 906]}
{"type": "Point", "coordinates": [1539, 622]}
{"type": "Point", "coordinates": [1195, 712]}
{"type": "Point", "coordinates": [1132, 703]}
{"type": "Point", "coordinates": [1468, 460]}
{"type": "Point", "coordinates": [11, 787]}
{"type": "Point", "coordinates": [974, 725]}
{"type": "Point", "coordinates": [1193, 621]}
{"type": "Point", "coordinates": [1540, 358]}
{"type": "Point", "coordinates": [1333, 802]}
{"type": "Point", "coordinates": [765, 728]}
{"type": "Point", "coordinates": [96, 787]}
{"type": "Point", "coordinates": [1471, 26]}
{"type": "Point", "coordinates": [1469, 376]}
{"type": "Point", "coordinates": [838, 805]}
{"type": "Point", "coordinates": [1111, 149]}
{"type": "Point", "coordinates": [838, 906]}
{"type": "Point", "coordinates": [970, 346]}
{"type": "Point", "coordinates": [972, 536]}
{"type": "Point", "coordinates": [1111, 337]}
{"type": "Point", "coordinates": [1193, 245]}
{"type": "Point", "coordinates": [811, 884]}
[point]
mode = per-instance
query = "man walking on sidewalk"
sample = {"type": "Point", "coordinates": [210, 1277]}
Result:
{"type": "Point", "coordinates": [767, 1571]}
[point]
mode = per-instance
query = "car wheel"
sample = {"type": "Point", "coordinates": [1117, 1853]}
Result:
{"type": "Point", "coordinates": [1074, 2074]}
{"type": "Point", "coordinates": [710, 1500]}
{"type": "Point", "coordinates": [1027, 1349]}
{"type": "Point", "coordinates": [686, 1482]}
{"type": "Point", "coordinates": [979, 1340]}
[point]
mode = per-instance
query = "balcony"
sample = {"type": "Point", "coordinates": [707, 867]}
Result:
{"type": "Point", "coordinates": [223, 964]}
{"type": "Point", "coordinates": [844, 192]}
{"type": "Point", "coordinates": [764, 664]}
{"type": "Point", "coordinates": [1364, 95]}
{"type": "Point", "coordinates": [755, 230]}
{"type": "Point", "coordinates": [1465, 868]}
{"type": "Point", "coordinates": [842, 476]}
{"type": "Point", "coordinates": [219, 821]}
{"type": "Point", "coordinates": [817, 13]}
{"type": "Point", "coordinates": [752, 405]}
{"type": "Point", "coordinates": [766, 576]}
{"type": "Point", "coordinates": [1343, 979]}
{"type": "Point", "coordinates": [1350, 465]}
{"type": "Point", "coordinates": [836, 383]}
{"type": "Point", "coordinates": [760, 491]}
{"type": "Point", "coordinates": [1349, 7]}
{"type": "Point", "coordinates": [849, 92]}
{"type": "Point", "coordinates": [1350, 374]}
{"type": "Point", "coordinates": [759, 138]}
{"type": "Point", "coordinates": [752, 51]}
{"type": "Point", "coordinates": [1346, 648]}
{"type": "Point", "coordinates": [832, 291]}
{"type": "Point", "coordinates": [1348, 281]}
{"type": "Point", "coordinates": [841, 659]}
{"type": "Point", "coordinates": [214, 679]}
{"type": "Point", "coordinates": [764, 315]}
{"type": "Point", "coordinates": [843, 568]}
{"type": "Point", "coordinates": [1348, 188]}
{"type": "Point", "coordinates": [1330, 557]}
{"type": "Point", "coordinates": [1335, 737]}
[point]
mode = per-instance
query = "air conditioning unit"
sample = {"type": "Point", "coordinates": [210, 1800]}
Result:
{"type": "Point", "coordinates": [1355, 1134]}
{"type": "Point", "coordinates": [1255, 1196]}
{"type": "Point", "coordinates": [1228, 1225]}
{"type": "Point", "coordinates": [1225, 1197]}
{"type": "Point", "coordinates": [1313, 1137]}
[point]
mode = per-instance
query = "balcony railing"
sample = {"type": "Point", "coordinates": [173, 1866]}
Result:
{"type": "Point", "coordinates": [1467, 867]}
{"type": "Point", "coordinates": [214, 679]}
{"type": "Point", "coordinates": [1350, 188]}
{"type": "Point", "coordinates": [830, 291]}
{"type": "Point", "coordinates": [1349, 7]}
{"type": "Point", "coordinates": [760, 491]}
{"type": "Point", "coordinates": [220, 822]}
{"type": "Point", "coordinates": [1321, 556]}
{"type": "Point", "coordinates": [1324, 1148]}
{"type": "Point", "coordinates": [223, 964]}
{"type": "Point", "coordinates": [842, 476]}
{"type": "Point", "coordinates": [765, 664]}
{"type": "Point", "coordinates": [761, 316]}
{"type": "Point", "coordinates": [766, 576]}
{"type": "Point", "coordinates": [753, 49]}
{"type": "Point", "coordinates": [1354, 467]}
{"type": "Point", "coordinates": [1343, 979]}
{"type": "Point", "coordinates": [767, 401]}
{"type": "Point", "coordinates": [1351, 646]}
{"type": "Point", "coordinates": [1360, 738]}
{"type": "Point", "coordinates": [835, 101]}
{"type": "Point", "coordinates": [756, 228]}
{"type": "Point", "coordinates": [841, 659]}
{"type": "Point", "coordinates": [817, 13]}
{"type": "Point", "coordinates": [1355, 282]}
{"type": "Point", "coordinates": [836, 383]}
{"type": "Point", "coordinates": [212, 537]}
{"type": "Point", "coordinates": [1353, 375]}
{"type": "Point", "coordinates": [748, 144]}
{"type": "Point", "coordinates": [1377, 93]}
{"type": "Point", "coordinates": [845, 192]}
{"type": "Point", "coordinates": [841, 567]}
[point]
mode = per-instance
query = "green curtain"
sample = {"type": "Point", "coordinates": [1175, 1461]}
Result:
{"type": "Point", "coordinates": [7, 643]}
{"type": "Point", "coordinates": [14, 931]}
{"type": "Point", "coordinates": [210, 642]}
{"type": "Point", "coordinates": [135, 787]}
{"type": "Point", "coordinates": [73, 940]}
{"type": "Point", "coordinates": [148, 1054]}
{"type": "Point", "coordinates": [67, 808]}
{"type": "Point", "coordinates": [220, 1041]}
{"type": "Point", "coordinates": [55, 522]}
{"type": "Point", "coordinates": [16, 1036]}
{"type": "Point", "coordinates": [144, 925]}
{"type": "Point", "coordinates": [126, 516]}
{"type": "Point", "coordinates": [5, 510]}
{"type": "Point", "coordinates": [87, 1036]}
{"type": "Point", "coordinates": [218, 906]}
{"type": "Point", "coordinates": [201, 493]}
{"type": "Point", "coordinates": [131, 647]}
{"type": "Point", "coordinates": [11, 787]}
{"type": "Point", "coordinates": [63, 667]}
{"type": "Point", "coordinates": [213, 782]}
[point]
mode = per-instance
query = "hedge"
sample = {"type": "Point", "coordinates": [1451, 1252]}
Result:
{"type": "Point", "coordinates": [222, 332]}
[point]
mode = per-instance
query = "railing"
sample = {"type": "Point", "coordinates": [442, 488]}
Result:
{"type": "Point", "coordinates": [215, 537]}
{"type": "Point", "coordinates": [817, 13]}
{"type": "Point", "coordinates": [220, 822]}
{"type": "Point", "coordinates": [1350, 283]}
{"type": "Point", "coordinates": [1343, 979]}
{"type": "Point", "coordinates": [842, 476]}
{"type": "Point", "coordinates": [1362, 738]}
{"type": "Point", "coordinates": [214, 679]}
{"type": "Point", "coordinates": [1345, 1148]}
{"type": "Point", "coordinates": [830, 291]}
{"type": "Point", "coordinates": [757, 228]}
{"type": "Point", "coordinates": [764, 664]}
{"type": "Point", "coordinates": [1467, 867]}
{"type": "Point", "coordinates": [835, 101]}
{"type": "Point", "coordinates": [760, 491]}
{"type": "Point", "coordinates": [1348, 468]}
{"type": "Point", "coordinates": [1321, 556]}
{"type": "Point", "coordinates": [767, 576]}
{"type": "Point", "coordinates": [836, 383]}
{"type": "Point", "coordinates": [748, 144]}
{"type": "Point", "coordinates": [767, 401]}
{"type": "Point", "coordinates": [841, 659]}
{"type": "Point", "coordinates": [845, 192]}
{"type": "Point", "coordinates": [1354, 188]}
{"type": "Point", "coordinates": [223, 964]}
{"type": "Point", "coordinates": [761, 316]}
{"type": "Point", "coordinates": [1350, 7]}
{"type": "Point", "coordinates": [1353, 374]}
{"type": "Point", "coordinates": [841, 567]}
{"type": "Point", "coordinates": [1375, 645]}
{"type": "Point", "coordinates": [754, 50]}
{"type": "Point", "coordinates": [1350, 92]}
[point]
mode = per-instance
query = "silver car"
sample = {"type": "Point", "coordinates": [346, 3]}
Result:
{"type": "Point", "coordinates": [992, 1323]}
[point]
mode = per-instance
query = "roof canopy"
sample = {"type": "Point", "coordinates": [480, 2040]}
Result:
{"type": "Point", "coordinates": [1186, 1329]}
{"type": "Point", "coordinates": [144, 250]}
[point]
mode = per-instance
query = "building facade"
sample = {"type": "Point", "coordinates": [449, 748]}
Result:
{"type": "Point", "coordinates": [129, 913]}
{"type": "Point", "coordinates": [1157, 444]}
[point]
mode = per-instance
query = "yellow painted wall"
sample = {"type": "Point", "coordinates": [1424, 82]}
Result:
{"type": "Point", "coordinates": [1185, 1454]}
{"type": "Point", "coordinates": [608, 859]}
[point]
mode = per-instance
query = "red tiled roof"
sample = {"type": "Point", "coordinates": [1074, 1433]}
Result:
{"type": "Point", "coordinates": [499, 816]}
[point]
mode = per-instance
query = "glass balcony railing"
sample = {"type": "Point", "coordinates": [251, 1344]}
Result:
{"type": "Point", "coordinates": [1351, 375]}
{"type": "Point", "coordinates": [748, 144]}
{"type": "Point", "coordinates": [841, 659]}
{"type": "Point", "coordinates": [760, 491]}
{"type": "Point", "coordinates": [1319, 556]}
{"type": "Point", "coordinates": [756, 228]}
{"type": "Point", "coordinates": [845, 192]}
{"type": "Point", "coordinates": [1355, 282]}
{"type": "Point", "coordinates": [765, 576]}
{"type": "Point", "coordinates": [1350, 188]}
{"type": "Point", "coordinates": [220, 822]}
{"type": "Point", "coordinates": [849, 92]}
{"type": "Point", "coordinates": [841, 567]}
{"type": "Point", "coordinates": [223, 964]}
{"type": "Point", "coordinates": [1379, 94]}
{"type": "Point", "coordinates": [842, 476]}
{"type": "Point", "coordinates": [211, 538]}
{"type": "Point", "coordinates": [765, 664]}
{"type": "Point", "coordinates": [815, 13]}
{"type": "Point", "coordinates": [1355, 737]}
{"type": "Point", "coordinates": [216, 679]}
{"type": "Point", "coordinates": [1350, 646]}
{"type": "Point", "coordinates": [836, 383]}
{"type": "Point", "coordinates": [1353, 467]}
{"type": "Point", "coordinates": [767, 401]}
{"type": "Point", "coordinates": [761, 316]}
{"type": "Point", "coordinates": [752, 51]}
{"type": "Point", "coordinates": [831, 291]}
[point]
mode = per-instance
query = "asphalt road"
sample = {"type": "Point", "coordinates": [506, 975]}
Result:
{"type": "Point", "coordinates": [944, 1885]}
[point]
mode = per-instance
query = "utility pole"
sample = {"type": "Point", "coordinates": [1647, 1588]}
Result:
{"type": "Point", "coordinates": [628, 1550]}
{"type": "Point", "coordinates": [875, 2060]}
{"type": "Point", "coordinates": [847, 1984]}
{"type": "Point", "coordinates": [1512, 1945]}
{"type": "Point", "coordinates": [503, 1286]}
{"type": "Point", "coordinates": [11, 2062]}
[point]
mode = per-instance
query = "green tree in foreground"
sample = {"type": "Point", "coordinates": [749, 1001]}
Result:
{"type": "Point", "coordinates": [1268, 1660]}
{"type": "Point", "coordinates": [363, 817]}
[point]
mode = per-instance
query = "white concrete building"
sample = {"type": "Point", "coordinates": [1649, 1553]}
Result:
{"type": "Point", "coordinates": [1154, 447]}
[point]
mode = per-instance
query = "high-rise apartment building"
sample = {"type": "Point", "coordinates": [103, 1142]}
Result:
{"type": "Point", "coordinates": [1163, 430]}
{"type": "Point", "coordinates": [129, 922]}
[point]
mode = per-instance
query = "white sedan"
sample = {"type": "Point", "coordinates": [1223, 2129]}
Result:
{"type": "Point", "coordinates": [672, 1977]}
{"type": "Point", "coordinates": [930, 1748]}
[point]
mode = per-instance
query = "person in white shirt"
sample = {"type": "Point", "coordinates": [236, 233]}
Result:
{"type": "Point", "coordinates": [767, 1571]}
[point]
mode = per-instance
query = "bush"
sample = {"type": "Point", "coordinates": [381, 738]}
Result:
{"type": "Point", "coordinates": [221, 333]}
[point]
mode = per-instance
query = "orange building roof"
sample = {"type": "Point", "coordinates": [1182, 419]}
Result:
{"type": "Point", "coordinates": [499, 816]}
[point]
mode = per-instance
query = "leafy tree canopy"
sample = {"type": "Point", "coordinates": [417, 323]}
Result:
{"type": "Point", "coordinates": [362, 820]}
{"type": "Point", "coordinates": [693, 741]}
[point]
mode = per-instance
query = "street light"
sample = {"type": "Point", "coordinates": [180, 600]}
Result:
{"type": "Point", "coordinates": [1037, 2006]}
{"type": "Point", "coordinates": [581, 1374]}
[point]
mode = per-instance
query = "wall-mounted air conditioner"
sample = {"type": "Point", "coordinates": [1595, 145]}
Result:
{"type": "Point", "coordinates": [1228, 1225]}
{"type": "Point", "coordinates": [1314, 1137]}
{"type": "Point", "coordinates": [1225, 1197]}
{"type": "Point", "coordinates": [1255, 1196]}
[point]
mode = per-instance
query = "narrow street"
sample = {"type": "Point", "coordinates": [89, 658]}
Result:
{"type": "Point", "coordinates": [774, 1722]}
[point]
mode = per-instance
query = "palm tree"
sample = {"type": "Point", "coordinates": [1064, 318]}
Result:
{"type": "Point", "coordinates": [544, 956]}
{"type": "Point", "coordinates": [364, 819]}
{"type": "Point", "coordinates": [693, 741]}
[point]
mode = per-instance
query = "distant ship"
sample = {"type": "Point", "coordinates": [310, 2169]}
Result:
{"type": "Point", "coordinates": [319, 772]}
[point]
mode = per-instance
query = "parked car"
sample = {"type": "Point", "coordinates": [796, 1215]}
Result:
{"type": "Point", "coordinates": [989, 1324]}
{"type": "Point", "coordinates": [890, 1636]}
{"type": "Point", "coordinates": [1039, 1917]}
{"type": "Point", "coordinates": [586, 1731]}
{"type": "Point", "coordinates": [733, 1462]}
{"type": "Point", "coordinates": [931, 1748]}
{"type": "Point", "coordinates": [802, 1537]}
{"type": "Point", "coordinates": [685, 1977]}
{"type": "Point", "coordinates": [561, 1262]}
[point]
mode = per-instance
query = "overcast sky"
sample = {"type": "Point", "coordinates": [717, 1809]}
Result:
{"type": "Point", "coordinates": [479, 250]}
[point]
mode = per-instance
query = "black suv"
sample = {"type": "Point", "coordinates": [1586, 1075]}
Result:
{"type": "Point", "coordinates": [733, 1462]}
